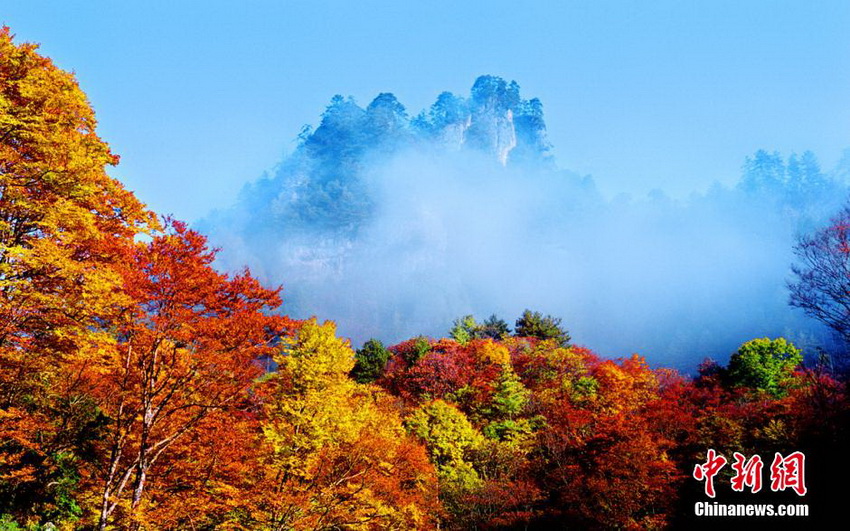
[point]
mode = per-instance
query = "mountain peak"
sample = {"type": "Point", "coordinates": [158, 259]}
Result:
{"type": "Point", "coordinates": [320, 186]}
{"type": "Point", "coordinates": [494, 119]}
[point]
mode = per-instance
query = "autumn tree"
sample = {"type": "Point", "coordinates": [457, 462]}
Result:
{"type": "Point", "coordinates": [451, 440]}
{"type": "Point", "coordinates": [464, 394]}
{"type": "Point", "coordinates": [62, 217]}
{"type": "Point", "coordinates": [821, 287]}
{"type": "Point", "coordinates": [183, 358]}
{"type": "Point", "coordinates": [605, 464]}
{"type": "Point", "coordinates": [64, 225]}
{"type": "Point", "coordinates": [339, 456]}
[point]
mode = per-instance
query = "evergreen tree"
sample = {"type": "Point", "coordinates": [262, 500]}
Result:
{"type": "Point", "coordinates": [370, 361]}
{"type": "Point", "coordinates": [535, 324]}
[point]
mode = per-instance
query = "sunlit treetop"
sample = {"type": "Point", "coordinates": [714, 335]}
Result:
{"type": "Point", "coordinates": [62, 217]}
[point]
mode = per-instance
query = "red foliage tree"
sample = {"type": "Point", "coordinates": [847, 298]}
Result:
{"type": "Point", "coordinates": [184, 357]}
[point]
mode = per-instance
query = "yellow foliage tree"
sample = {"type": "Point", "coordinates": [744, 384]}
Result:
{"type": "Point", "coordinates": [340, 456]}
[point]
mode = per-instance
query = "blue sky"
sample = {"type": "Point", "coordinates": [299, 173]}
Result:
{"type": "Point", "coordinates": [200, 97]}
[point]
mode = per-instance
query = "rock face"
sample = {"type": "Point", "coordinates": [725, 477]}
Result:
{"type": "Point", "coordinates": [495, 120]}
{"type": "Point", "coordinates": [492, 106]}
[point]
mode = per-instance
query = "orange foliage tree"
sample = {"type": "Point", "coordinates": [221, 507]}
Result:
{"type": "Point", "coordinates": [186, 353]}
{"type": "Point", "coordinates": [64, 224]}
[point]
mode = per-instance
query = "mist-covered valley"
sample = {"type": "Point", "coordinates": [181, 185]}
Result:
{"type": "Point", "coordinates": [394, 224]}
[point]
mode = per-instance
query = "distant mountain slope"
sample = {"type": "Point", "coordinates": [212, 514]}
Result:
{"type": "Point", "coordinates": [394, 226]}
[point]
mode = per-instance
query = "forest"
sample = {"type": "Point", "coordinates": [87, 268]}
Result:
{"type": "Point", "coordinates": [141, 387]}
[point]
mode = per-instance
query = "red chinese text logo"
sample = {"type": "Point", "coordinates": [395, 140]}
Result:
{"type": "Point", "coordinates": [785, 472]}
{"type": "Point", "coordinates": [707, 471]}
{"type": "Point", "coordinates": [747, 473]}
{"type": "Point", "coordinates": [788, 473]}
